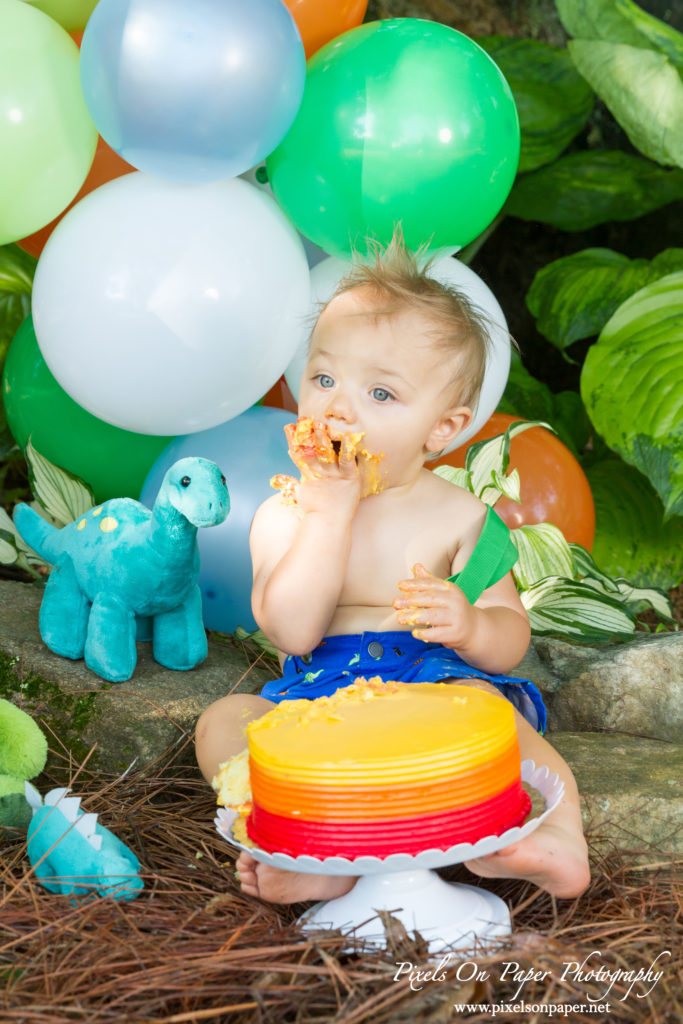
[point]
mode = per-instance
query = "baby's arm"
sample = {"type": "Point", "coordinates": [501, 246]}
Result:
{"type": "Point", "coordinates": [300, 553]}
{"type": "Point", "coordinates": [492, 634]}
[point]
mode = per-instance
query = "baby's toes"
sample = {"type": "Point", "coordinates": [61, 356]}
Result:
{"type": "Point", "coordinates": [245, 873]}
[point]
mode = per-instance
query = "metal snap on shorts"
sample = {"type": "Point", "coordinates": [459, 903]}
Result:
{"type": "Point", "coordinates": [338, 660]}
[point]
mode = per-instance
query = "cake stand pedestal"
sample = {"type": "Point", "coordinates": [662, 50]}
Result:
{"type": "Point", "coordinates": [448, 916]}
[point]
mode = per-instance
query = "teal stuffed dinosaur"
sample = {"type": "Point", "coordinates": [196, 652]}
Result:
{"type": "Point", "coordinates": [120, 564]}
{"type": "Point", "coordinates": [72, 854]}
{"type": "Point", "coordinates": [23, 753]}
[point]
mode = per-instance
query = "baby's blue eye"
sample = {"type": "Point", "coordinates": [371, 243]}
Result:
{"type": "Point", "coordinates": [381, 395]}
{"type": "Point", "coordinates": [325, 381]}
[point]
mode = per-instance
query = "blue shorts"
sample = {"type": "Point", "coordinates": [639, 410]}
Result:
{"type": "Point", "coordinates": [338, 660]}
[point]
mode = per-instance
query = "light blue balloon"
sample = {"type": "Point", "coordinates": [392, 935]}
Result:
{"type": "Point", "coordinates": [192, 90]}
{"type": "Point", "coordinates": [250, 449]}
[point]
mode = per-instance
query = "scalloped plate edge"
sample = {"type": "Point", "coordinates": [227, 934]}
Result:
{"type": "Point", "coordinates": [548, 784]}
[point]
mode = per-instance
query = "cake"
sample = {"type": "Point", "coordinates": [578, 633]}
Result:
{"type": "Point", "coordinates": [380, 768]}
{"type": "Point", "coordinates": [309, 438]}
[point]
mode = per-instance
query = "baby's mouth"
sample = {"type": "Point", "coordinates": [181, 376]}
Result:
{"type": "Point", "coordinates": [336, 444]}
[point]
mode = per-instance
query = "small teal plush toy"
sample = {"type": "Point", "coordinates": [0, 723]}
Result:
{"type": "Point", "coordinates": [72, 854]}
{"type": "Point", "coordinates": [23, 753]}
{"type": "Point", "coordinates": [120, 564]}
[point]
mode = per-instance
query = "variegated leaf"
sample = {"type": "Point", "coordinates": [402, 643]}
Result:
{"type": "Point", "coordinates": [8, 551]}
{"type": "Point", "coordinates": [635, 597]}
{"type": "Point", "coordinates": [657, 599]}
{"type": "Point", "coordinates": [25, 556]}
{"type": "Point", "coordinates": [454, 475]}
{"type": "Point", "coordinates": [509, 486]}
{"type": "Point", "coordinates": [543, 551]}
{"type": "Point", "coordinates": [492, 456]}
{"type": "Point", "coordinates": [64, 496]}
{"type": "Point", "coordinates": [575, 611]}
{"type": "Point", "coordinates": [585, 567]}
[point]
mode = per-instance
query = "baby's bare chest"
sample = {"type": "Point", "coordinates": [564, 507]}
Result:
{"type": "Point", "coordinates": [385, 547]}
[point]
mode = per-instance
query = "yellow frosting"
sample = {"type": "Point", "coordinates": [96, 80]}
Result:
{"type": "Point", "coordinates": [383, 733]}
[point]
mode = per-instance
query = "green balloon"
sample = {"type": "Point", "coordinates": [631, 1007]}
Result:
{"type": "Point", "coordinates": [404, 121]}
{"type": "Point", "coordinates": [113, 461]}
{"type": "Point", "coordinates": [71, 14]}
{"type": "Point", "coordinates": [47, 138]}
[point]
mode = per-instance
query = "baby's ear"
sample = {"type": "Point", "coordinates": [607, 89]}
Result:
{"type": "Point", "coordinates": [452, 423]}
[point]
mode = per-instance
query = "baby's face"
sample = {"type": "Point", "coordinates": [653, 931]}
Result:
{"type": "Point", "coordinates": [385, 376]}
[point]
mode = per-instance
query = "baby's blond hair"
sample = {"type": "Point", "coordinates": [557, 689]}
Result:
{"type": "Point", "coordinates": [402, 277]}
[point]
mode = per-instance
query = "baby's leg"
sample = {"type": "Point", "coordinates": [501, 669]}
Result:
{"type": "Point", "coordinates": [555, 855]}
{"type": "Point", "coordinates": [221, 729]}
{"type": "Point", "coordinates": [221, 733]}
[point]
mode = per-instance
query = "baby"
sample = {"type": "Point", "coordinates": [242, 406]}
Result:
{"type": "Point", "coordinates": [353, 578]}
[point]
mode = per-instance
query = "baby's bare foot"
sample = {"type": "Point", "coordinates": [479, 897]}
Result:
{"type": "Point", "coordinates": [549, 857]}
{"type": "Point", "coordinates": [278, 886]}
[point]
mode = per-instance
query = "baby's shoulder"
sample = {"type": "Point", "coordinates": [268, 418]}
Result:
{"type": "Point", "coordinates": [450, 497]}
{"type": "Point", "coordinates": [450, 512]}
{"type": "Point", "coordinates": [274, 515]}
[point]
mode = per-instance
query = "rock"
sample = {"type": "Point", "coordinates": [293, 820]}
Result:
{"type": "Point", "coordinates": [630, 785]}
{"type": "Point", "coordinates": [631, 794]}
{"type": "Point", "coordinates": [634, 687]}
{"type": "Point", "coordinates": [142, 718]}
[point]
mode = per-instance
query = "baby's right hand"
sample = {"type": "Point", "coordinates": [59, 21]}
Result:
{"type": "Point", "coordinates": [330, 482]}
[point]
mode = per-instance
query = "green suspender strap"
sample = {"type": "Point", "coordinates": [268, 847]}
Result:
{"type": "Point", "coordinates": [493, 556]}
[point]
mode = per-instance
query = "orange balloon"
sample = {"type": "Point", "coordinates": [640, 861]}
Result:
{"type": "Point", "coordinates": [553, 487]}
{"type": "Point", "coordinates": [280, 397]}
{"type": "Point", "coordinates": [319, 21]}
{"type": "Point", "coordinates": [106, 165]}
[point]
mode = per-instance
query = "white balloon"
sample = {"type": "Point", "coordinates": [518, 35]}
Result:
{"type": "Point", "coordinates": [168, 309]}
{"type": "Point", "coordinates": [324, 280]}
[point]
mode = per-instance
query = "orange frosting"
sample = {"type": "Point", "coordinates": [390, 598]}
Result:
{"type": "Point", "coordinates": [376, 802]}
{"type": "Point", "coordinates": [309, 438]}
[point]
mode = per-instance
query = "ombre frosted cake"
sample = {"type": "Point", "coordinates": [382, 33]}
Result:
{"type": "Point", "coordinates": [379, 768]}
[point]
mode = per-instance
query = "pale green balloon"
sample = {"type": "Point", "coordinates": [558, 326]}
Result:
{"type": "Point", "coordinates": [47, 139]}
{"type": "Point", "coordinates": [71, 14]}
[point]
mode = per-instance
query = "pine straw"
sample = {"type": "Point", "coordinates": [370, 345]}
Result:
{"type": "Point", "coordinates": [193, 948]}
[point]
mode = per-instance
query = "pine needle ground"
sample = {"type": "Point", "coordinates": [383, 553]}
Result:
{"type": "Point", "coordinates": [193, 948]}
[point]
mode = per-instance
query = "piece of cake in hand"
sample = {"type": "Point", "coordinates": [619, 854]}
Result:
{"type": "Point", "coordinates": [381, 768]}
{"type": "Point", "coordinates": [310, 441]}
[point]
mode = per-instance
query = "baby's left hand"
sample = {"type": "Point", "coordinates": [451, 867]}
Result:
{"type": "Point", "coordinates": [437, 609]}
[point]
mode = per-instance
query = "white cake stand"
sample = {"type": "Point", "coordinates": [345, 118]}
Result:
{"type": "Point", "coordinates": [448, 916]}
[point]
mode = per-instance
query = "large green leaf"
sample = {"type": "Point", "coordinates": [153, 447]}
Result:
{"type": "Point", "coordinates": [656, 32]}
{"type": "Point", "coordinates": [16, 281]}
{"type": "Point", "coordinates": [632, 386]}
{"type": "Point", "coordinates": [530, 399]}
{"type": "Point", "coordinates": [631, 539]}
{"type": "Point", "coordinates": [598, 19]}
{"type": "Point", "coordinates": [575, 611]}
{"type": "Point", "coordinates": [552, 98]}
{"type": "Point", "coordinates": [574, 297]}
{"type": "Point", "coordinates": [584, 189]}
{"type": "Point", "coordinates": [642, 89]}
{"type": "Point", "coordinates": [619, 21]}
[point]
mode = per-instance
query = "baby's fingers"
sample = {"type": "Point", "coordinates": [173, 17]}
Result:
{"type": "Point", "coordinates": [421, 599]}
{"type": "Point", "coordinates": [422, 580]}
{"type": "Point", "coordinates": [323, 445]}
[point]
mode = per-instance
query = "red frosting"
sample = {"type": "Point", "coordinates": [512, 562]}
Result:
{"type": "Point", "coordinates": [273, 832]}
